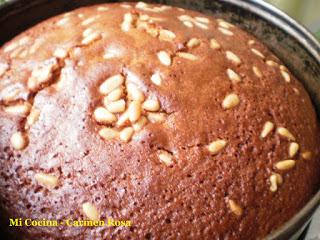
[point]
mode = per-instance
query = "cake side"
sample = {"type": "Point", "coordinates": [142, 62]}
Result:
{"type": "Point", "coordinates": [182, 123]}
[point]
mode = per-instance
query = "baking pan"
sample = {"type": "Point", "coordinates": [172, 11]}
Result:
{"type": "Point", "coordinates": [290, 41]}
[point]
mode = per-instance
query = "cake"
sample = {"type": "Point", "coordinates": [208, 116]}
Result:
{"type": "Point", "coordinates": [162, 122]}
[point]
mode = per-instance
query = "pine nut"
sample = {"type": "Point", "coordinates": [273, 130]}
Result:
{"type": "Point", "coordinates": [20, 109]}
{"type": "Point", "coordinates": [62, 21]}
{"type": "Point", "coordinates": [3, 68]}
{"type": "Point", "coordinates": [235, 208]}
{"type": "Point", "coordinates": [251, 42]}
{"type": "Point", "coordinates": [202, 20]}
{"type": "Point", "coordinates": [87, 32]}
{"type": "Point", "coordinates": [88, 21]}
{"type": "Point", "coordinates": [90, 211]}
{"type": "Point", "coordinates": [201, 25]}
{"type": "Point", "coordinates": [267, 128]}
{"type": "Point", "coordinates": [111, 84]}
{"type": "Point", "coordinates": [224, 24]}
{"type": "Point", "coordinates": [10, 47]}
{"type": "Point", "coordinates": [216, 146]}
{"type": "Point", "coordinates": [114, 95]}
{"type": "Point", "coordinates": [165, 157]}
{"type": "Point", "coordinates": [193, 42]}
{"type": "Point", "coordinates": [166, 35]}
{"type": "Point", "coordinates": [127, 23]}
{"type": "Point", "coordinates": [275, 180]}
{"type": "Point", "coordinates": [307, 155]}
{"type": "Point", "coordinates": [151, 105]}
{"type": "Point", "coordinates": [19, 140]}
{"type": "Point", "coordinates": [60, 53]}
{"type": "Point", "coordinates": [186, 55]}
{"type": "Point", "coordinates": [188, 24]}
{"type": "Point", "coordinates": [233, 76]}
{"type": "Point", "coordinates": [285, 164]}
{"type": "Point", "coordinates": [230, 101]}
{"type": "Point", "coordinates": [134, 93]}
{"type": "Point", "coordinates": [272, 63]}
{"type": "Point", "coordinates": [47, 180]}
{"type": "Point", "coordinates": [102, 9]}
{"type": "Point", "coordinates": [164, 58]}
{"type": "Point", "coordinates": [185, 18]}
{"type": "Point", "coordinates": [293, 149]}
{"type": "Point", "coordinates": [233, 57]}
{"type": "Point", "coordinates": [155, 117]}
{"type": "Point", "coordinates": [123, 119]}
{"type": "Point", "coordinates": [103, 116]}
{"type": "Point", "coordinates": [285, 76]}
{"type": "Point", "coordinates": [257, 52]}
{"type": "Point", "coordinates": [257, 71]}
{"type": "Point", "coordinates": [108, 133]}
{"type": "Point", "coordinates": [117, 106]}
{"type": "Point", "coordinates": [138, 125]}
{"type": "Point", "coordinates": [225, 31]}
{"type": "Point", "coordinates": [134, 111]}
{"type": "Point", "coordinates": [283, 68]}
{"type": "Point", "coordinates": [156, 79]}
{"type": "Point", "coordinates": [126, 134]}
{"type": "Point", "coordinates": [285, 133]}
{"type": "Point", "coordinates": [214, 44]}
{"type": "Point", "coordinates": [91, 38]}
{"type": "Point", "coordinates": [32, 117]}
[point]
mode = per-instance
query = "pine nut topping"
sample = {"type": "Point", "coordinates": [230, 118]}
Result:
{"type": "Point", "coordinates": [257, 71]}
{"type": "Point", "coordinates": [114, 95]}
{"type": "Point", "coordinates": [20, 109]}
{"type": "Point", "coordinates": [193, 42]}
{"type": "Point", "coordinates": [275, 180]}
{"type": "Point", "coordinates": [233, 76]}
{"type": "Point", "coordinates": [134, 93]}
{"type": "Point", "coordinates": [123, 119]}
{"type": "Point", "coordinates": [188, 24]}
{"type": "Point", "coordinates": [3, 68]}
{"type": "Point", "coordinates": [230, 101]}
{"type": "Point", "coordinates": [200, 25]}
{"type": "Point", "coordinates": [293, 149]}
{"type": "Point", "coordinates": [202, 20]}
{"type": "Point", "coordinates": [156, 78]}
{"type": "Point", "coordinates": [11, 47]}
{"type": "Point", "coordinates": [233, 57]}
{"type": "Point", "coordinates": [235, 208]}
{"type": "Point", "coordinates": [225, 31]}
{"type": "Point", "coordinates": [91, 38]}
{"type": "Point", "coordinates": [87, 32]}
{"type": "Point", "coordinates": [185, 18]}
{"type": "Point", "coordinates": [164, 58]}
{"type": "Point", "coordinates": [19, 140]}
{"type": "Point", "coordinates": [283, 68]}
{"type": "Point", "coordinates": [285, 164]}
{"type": "Point", "coordinates": [134, 111]}
{"type": "Point", "coordinates": [88, 21]}
{"type": "Point", "coordinates": [90, 211]}
{"type": "Point", "coordinates": [46, 180]}
{"type": "Point", "coordinates": [165, 157]}
{"type": "Point", "coordinates": [151, 105]}
{"type": "Point", "coordinates": [285, 133]}
{"type": "Point", "coordinates": [126, 134]}
{"type": "Point", "coordinates": [111, 84]}
{"type": "Point", "coordinates": [42, 73]}
{"type": "Point", "coordinates": [156, 117]}
{"type": "Point", "coordinates": [285, 76]}
{"type": "Point", "coordinates": [267, 128]}
{"type": "Point", "coordinates": [60, 53]}
{"type": "Point", "coordinates": [128, 20]}
{"type": "Point", "coordinates": [103, 116]}
{"type": "Point", "coordinates": [224, 24]}
{"type": "Point", "coordinates": [272, 63]}
{"type": "Point", "coordinates": [108, 133]}
{"type": "Point", "coordinates": [117, 106]}
{"type": "Point", "coordinates": [32, 117]}
{"type": "Point", "coordinates": [138, 125]}
{"type": "Point", "coordinates": [188, 56]}
{"type": "Point", "coordinates": [214, 44]}
{"type": "Point", "coordinates": [102, 9]}
{"type": "Point", "coordinates": [166, 35]}
{"type": "Point", "coordinates": [216, 146]}
{"type": "Point", "coordinates": [251, 42]}
{"type": "Point", "coordinates": [257, 52]}
{"type": "Point", "coordinates": [307, 155]}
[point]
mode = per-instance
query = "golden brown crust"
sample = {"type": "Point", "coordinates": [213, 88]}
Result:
{"type": "Point", "coordinates": [209, 168]}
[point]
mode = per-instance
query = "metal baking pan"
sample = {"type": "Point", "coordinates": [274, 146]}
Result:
{"type": "Point", "coordinates": [291, 42]}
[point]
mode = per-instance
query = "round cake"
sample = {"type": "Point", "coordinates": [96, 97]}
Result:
{"type": "Point", "coordinates": [150, 122]}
